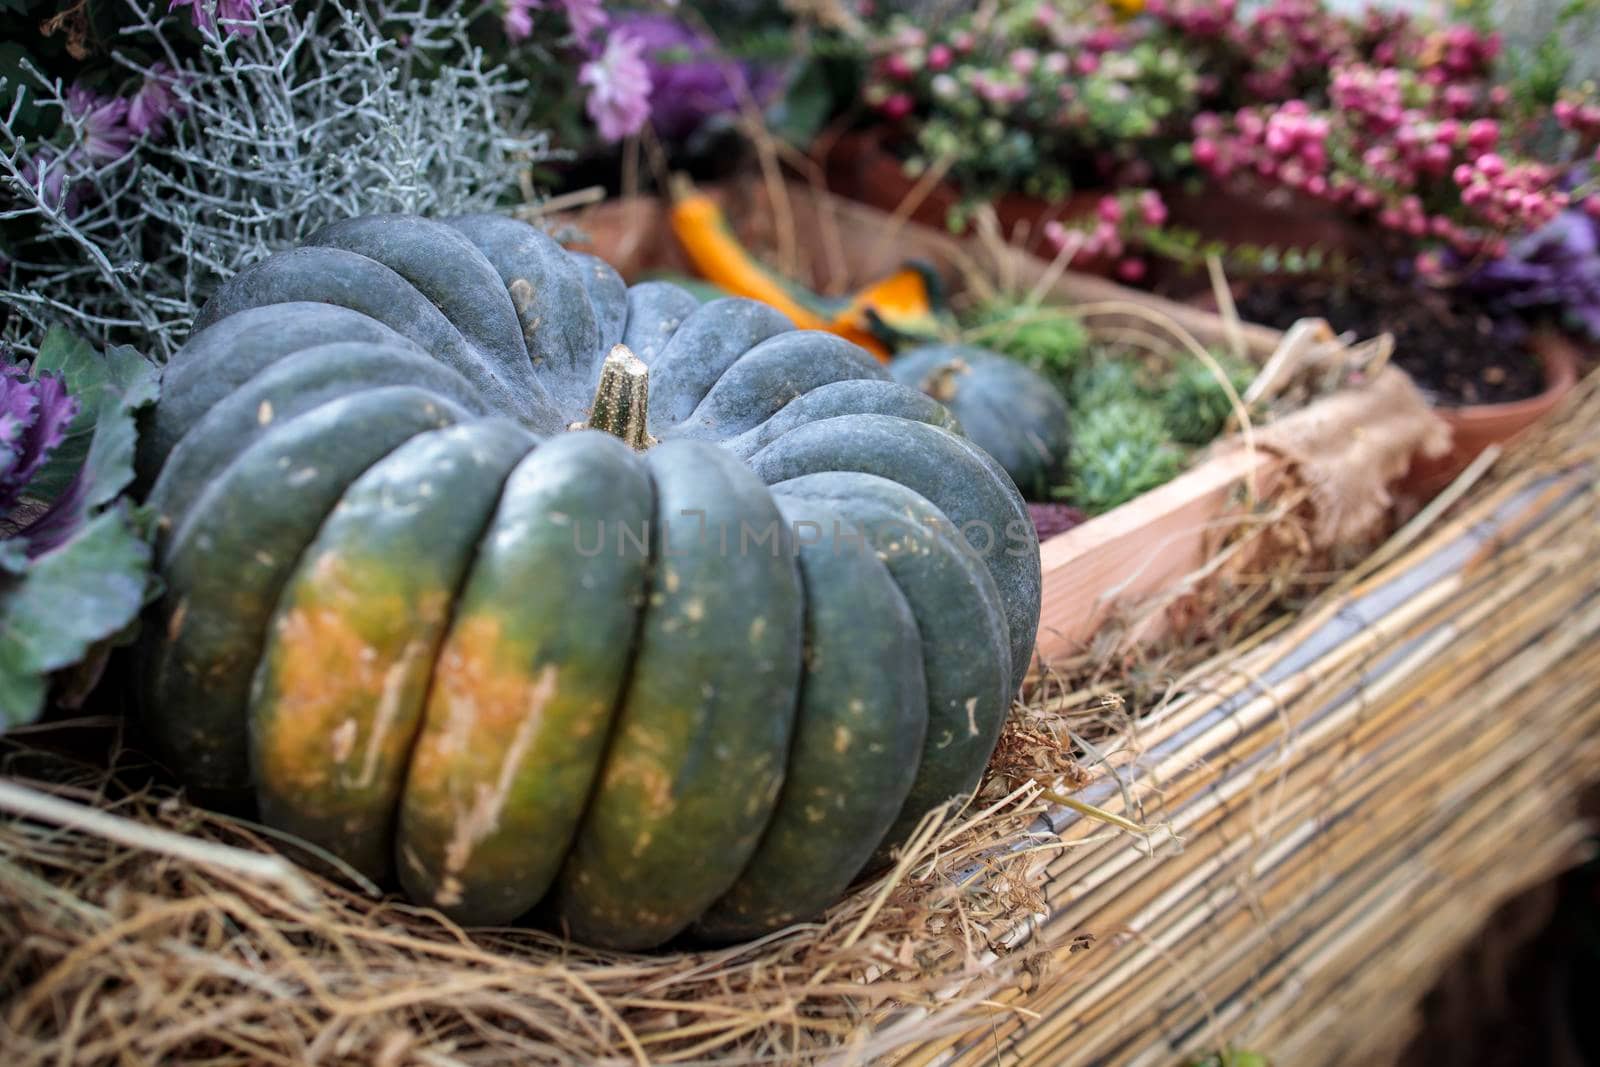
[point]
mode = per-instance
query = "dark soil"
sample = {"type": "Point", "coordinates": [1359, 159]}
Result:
{"type": "Point", "coordinates": [1452, 349]}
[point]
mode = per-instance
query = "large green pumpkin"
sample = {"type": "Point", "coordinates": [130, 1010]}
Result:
{"type": "Point", "coordinates": [694, 671]}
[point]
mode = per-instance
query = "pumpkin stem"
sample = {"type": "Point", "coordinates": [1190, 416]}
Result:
{"type": "Point", "coordinates": [941, 381]}
{"type": "Point", "coordinates": [622, 402]}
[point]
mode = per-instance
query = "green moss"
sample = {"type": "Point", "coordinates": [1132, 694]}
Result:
{"type": "Point", "coordinates": [1050, 340]}
{"type": "Point", "coordinates": [1121, 449]}
{"type": "Point", "coordinates": [1194, 404]}
{"type": "Point", "coordinates": [1109, 381]}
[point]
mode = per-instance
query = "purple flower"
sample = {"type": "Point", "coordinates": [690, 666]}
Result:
{"type": "Point", "coordinates": [34, 415]}
{"type": "Point", "coordinates": [619, 87]}
{"type": "Point", "coordinates": [207, 13]}
{"type": "Point", "coordinates": [517, 19]}
{"type": "Point", "coordinates": [584, 16]}
{"type": "Point", "coordinates": [105, 129]}
{"type": "Point", "coordinates": [148, 111]}
{"type": "Point", "coordinates": [691, 79]}
{"type": "Point", "coordinates": [46, 171]}
{"type": "Point", "coordinates": [1556, 268]}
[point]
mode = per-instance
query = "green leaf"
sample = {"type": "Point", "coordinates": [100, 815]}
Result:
{"type": "Point", "coordinates": [109, 389]}
{"type": "Point", "coordinates": [802, 111]}
{"type": "Point", "coordinates": [81, 593]}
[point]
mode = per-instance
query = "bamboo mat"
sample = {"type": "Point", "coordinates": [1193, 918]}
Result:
{"type": "Point", "coordinates": [1342, 806]}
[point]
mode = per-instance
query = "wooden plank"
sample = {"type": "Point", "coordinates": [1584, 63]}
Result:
{"type": "Point", "coordinates": [1138, 550]}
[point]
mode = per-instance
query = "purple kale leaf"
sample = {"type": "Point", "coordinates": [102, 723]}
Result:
{"type": "Point", "coordinates": [1553, 271]}
{"type": "Point", "coordinates": [74, 567]}
{"type": "Point", "coordinates": [34, 416]}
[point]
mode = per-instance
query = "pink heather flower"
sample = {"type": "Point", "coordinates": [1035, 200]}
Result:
{"type": "Point", "coordinates": [940, 57]}
{"type": "Point", "coordinates": [1205, 152]}
{"type": "Point", "coordinates": [206, 14]}
{"type": "Point", "coordinates": [1592, 206]}
{"type": "Point", "coordinates": [897, 66]}
{"type": "Point", "coordinates": [1130, 270]}
{"type": "Point", "coordinates": [897, 106]}
{"type": "Point", "coordinates": [585, 16]}
{"type": "Point", "coordinates": [148, 111]}
{"type": "Point", "coordinates": [106, 134]}
{"type": "Point", "coordinates": [1024, 60]}
{"type": "Point", "coordinates": [1152, 208]}
{"type": "Point", "coordinates": [1109, 209]}
{"type": "Point", "coordinates": [517, 18]}
{"type": "Point", "coordinates": [619, 87]}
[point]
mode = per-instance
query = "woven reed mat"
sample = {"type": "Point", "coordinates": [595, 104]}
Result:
{"type": "Point", "coordinates": [1341, 806]}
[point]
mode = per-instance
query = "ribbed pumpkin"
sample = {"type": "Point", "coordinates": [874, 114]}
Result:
{"type": "Point", "coordinates": [1012, 412]}
{"type": "Point", "coordinates": [690, 672]}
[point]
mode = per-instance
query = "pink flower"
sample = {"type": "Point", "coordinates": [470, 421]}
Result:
{"type": "Point", "coordinates": [517, 18]}
{"type": "Point", "coordinates": [585, 16]}
{"type": "Point", "coordinates": [897, 106]}
{"type": "Point", "coordinates": [898, 66]}
{"type": "Point", "coordinates": [148, 111]}
{"type": "Point", "coordinates": [1130, 270]}
{"type": "Point", "coordinates": [106, 134]}
{"type": "Point", "coordinates": [1152, 208]}
{"type": "Point", "coordinates": [1109, 209]}
{"type": "Point", "coordinates": [940, 57]}
{"type": "Point", "coordinates": [207, 13]}
{"type": "Point", "coordinates": [1592, 206]}
{"type": "Point", "coordinates": [619, 87]}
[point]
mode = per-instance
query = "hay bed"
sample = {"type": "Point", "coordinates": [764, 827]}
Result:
{"type": "Point", "coordinates": [1353, 791]}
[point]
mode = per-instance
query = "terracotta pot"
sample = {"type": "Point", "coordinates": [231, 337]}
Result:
{"type": "Point", "coordinates": [1276, 218]}
{"type": "Point", "coordinates": [860, 167]}
{"type": "Point", "coordinates": [1477, 426]}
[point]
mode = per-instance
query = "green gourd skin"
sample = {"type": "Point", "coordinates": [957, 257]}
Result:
{"type": "Point", "coordinates": [862, 715]}
{"type": "Point", "coordinates": [702, 736]}
{"type": "Point", "coordinates": [356, 633]}
{"type": "Point", "coordinates": [1015, 414]}
{"type": "Point", "coordinates": [960, 625]}
{"type": "Point", "coordinates": [452, 636]}
{"type": "Point", "coordinates": [523, 697]}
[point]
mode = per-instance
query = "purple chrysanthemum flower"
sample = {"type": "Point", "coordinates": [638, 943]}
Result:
{"type": "Point", "coordinates": [105, 124]}
{"type": "Point", "coordinates": [584, 16]}
{"type": "Point", "coordinates": [619, 87]}
{"type": "Point", "coordinates": [692, 79]}
{"type": "Point", "coordinates": [34, 415]}
{"type": "Point", "coordinates": [46, 171]}
{"type": "Point", "coordinates": [517, 18]}
{"type": "Point", "coordinates": [148, 111]}
{"type": "Point", "coordinates": [206, 14]}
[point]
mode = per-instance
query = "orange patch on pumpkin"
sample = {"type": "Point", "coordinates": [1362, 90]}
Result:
{"type": "Point", "coordinates": [346, 659]}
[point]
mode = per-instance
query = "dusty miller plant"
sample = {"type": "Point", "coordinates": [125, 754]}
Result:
{"type": "Point", "coordinates": [324, 111]}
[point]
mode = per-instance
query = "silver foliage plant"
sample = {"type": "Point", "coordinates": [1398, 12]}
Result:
{"type": "Point", "coordinates": [302, 115]}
